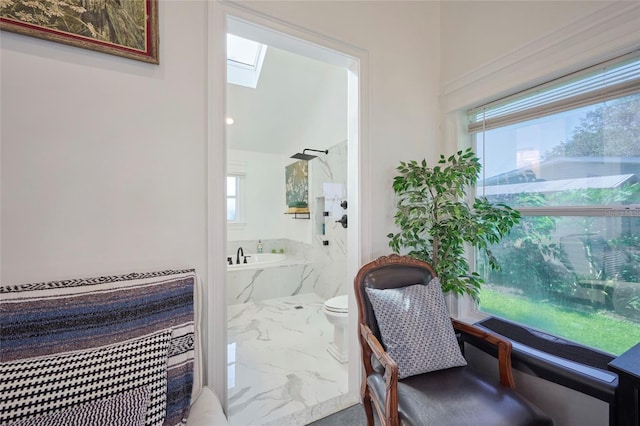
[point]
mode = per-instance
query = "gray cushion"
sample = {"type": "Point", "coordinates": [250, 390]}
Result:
{"type": "Point", "coordinates": [415, 328]}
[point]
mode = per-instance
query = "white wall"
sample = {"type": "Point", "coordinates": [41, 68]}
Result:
{"type": "Point", "coordinates": [103, 166]}
{"type": "Point", "coordinates": [326, 122]}
{"type": "Point", "coordinates": [321, 124]}
{"type": "Point", "coordinates": [402, 40]}
{"type": "Point", "coordinates": [277, 116]}
{"type": "Point", "coordinates": [264, 201]}
{"type": "Point", "coordinates": [493, 49]}
{"type": "Point", "coordinates": [103, 158]}
{"type": "Point", "coordinates": [475, 33]}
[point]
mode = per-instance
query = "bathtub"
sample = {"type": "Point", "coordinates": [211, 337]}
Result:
{"type": "Point", "coordinates": [267, 276]}
{"type": "Point", "coordinates": [256, 260]}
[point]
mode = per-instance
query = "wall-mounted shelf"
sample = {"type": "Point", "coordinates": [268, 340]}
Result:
{"type": "Point", "coordinates": [299, 213]}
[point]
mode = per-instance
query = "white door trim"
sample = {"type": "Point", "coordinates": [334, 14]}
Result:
{"type": "Point", "coordinates": [220, 13]}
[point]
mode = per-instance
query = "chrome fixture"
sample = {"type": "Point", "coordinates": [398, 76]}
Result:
{"type": "Point", "coordinates": [308, 157]}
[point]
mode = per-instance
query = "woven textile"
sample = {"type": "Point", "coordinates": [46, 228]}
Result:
{"type": "Point", "coordinates": [125, 409]}
{"type": "Point", "coordinates": [36, 386]}
{"type": "Point", "coordinates": [415, 328]}
{"type": "Point", "coordinates": [42, 319]}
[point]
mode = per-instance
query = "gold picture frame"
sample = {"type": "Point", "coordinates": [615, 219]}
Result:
{"type": "Point", "coordinates": [126, 28]}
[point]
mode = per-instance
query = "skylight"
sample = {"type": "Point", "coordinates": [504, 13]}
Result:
{"type": "Point", "coordinates": [244, 61]}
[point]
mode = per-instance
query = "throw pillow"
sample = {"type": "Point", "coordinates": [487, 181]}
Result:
{"type": "Point", "coordinates": [124, 409]}
{"type": "Point", "coordinates": [415, 328]}
{"type": "Point", "coordinates": [36, 386]}
{"type": "Point", "coordinates": [47, 318]}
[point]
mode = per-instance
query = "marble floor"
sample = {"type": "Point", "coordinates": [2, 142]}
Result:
{"type": "Point", "coordinates": [280, 372]}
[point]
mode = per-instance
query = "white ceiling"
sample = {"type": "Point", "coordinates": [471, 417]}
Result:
{"type": "Point", "coordinates": [291, 93]}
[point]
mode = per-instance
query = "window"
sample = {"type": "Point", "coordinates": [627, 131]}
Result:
{"type": "Point", "coordinates": [567, 155]}
{"type": "Point", "coordinates": [232, 198]}
{"type": "Point", "coordinates": [236, 173]}
{"type": "Point", "coordinates": [244, 61]}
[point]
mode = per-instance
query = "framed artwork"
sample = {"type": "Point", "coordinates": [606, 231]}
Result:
{"type": "Point", "coordinates": [297, 187]}
{"type": "Point", "coordinates": [126, 28]}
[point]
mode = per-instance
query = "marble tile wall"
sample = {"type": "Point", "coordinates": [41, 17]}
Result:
{"type": "Point", "coordinates": [329, 188]}
{"type": "Point", "coordinates": [310, 268]}
{"type": "Point", "coordinates": [297, 274]}
{"type": "Point", "coordinates": [270, 281]}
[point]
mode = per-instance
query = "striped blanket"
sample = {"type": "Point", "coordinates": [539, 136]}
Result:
{"type": "Point", "coordinates": [63, 316]}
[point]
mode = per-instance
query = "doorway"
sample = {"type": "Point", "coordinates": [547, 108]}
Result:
{"type": "Point", "coordinates": [316, 48]}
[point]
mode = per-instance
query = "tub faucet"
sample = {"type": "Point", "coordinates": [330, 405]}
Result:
{"type": "Point", "coordinates": [238, 255]}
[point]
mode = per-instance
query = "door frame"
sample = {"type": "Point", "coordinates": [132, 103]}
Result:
{"type": "Point", "coordinates": [219, 15]}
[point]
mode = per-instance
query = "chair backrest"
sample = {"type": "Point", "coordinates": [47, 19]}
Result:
{"type": "Point", "coordinates": [386, 272]}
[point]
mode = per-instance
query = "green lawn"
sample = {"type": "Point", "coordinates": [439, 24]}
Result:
{"type": "Point", "coordinates": [600, 329]}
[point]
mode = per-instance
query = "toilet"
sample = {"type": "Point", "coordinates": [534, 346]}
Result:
{"type": "Point", "coordinates": [336, 310]}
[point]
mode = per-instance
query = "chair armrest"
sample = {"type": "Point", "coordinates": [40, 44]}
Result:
{"type": "Point", "coordinates": [371, 345]}
{"type": "Point", "coordinates": [503, 346]}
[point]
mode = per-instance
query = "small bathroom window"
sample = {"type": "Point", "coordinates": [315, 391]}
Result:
{"type": "Point", "coordinates": [233, 192]}
{"type": "Point", "coordinates": [236, 172]}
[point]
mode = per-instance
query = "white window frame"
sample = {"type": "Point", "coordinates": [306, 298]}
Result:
{"type": "Point", "coordinates": [238, 169]}
{"type": "Point", "coordinates": [607, 32]}
{"type": "Point", "coordinates": [473, 311]}
{"type": "Point", "coordinates": [243, 74]}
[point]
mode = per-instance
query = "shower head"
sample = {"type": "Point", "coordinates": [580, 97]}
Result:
{"type": "Point", "coordinates": [308, 157]}
{"type": "Point", "coordinates": [305, 157]}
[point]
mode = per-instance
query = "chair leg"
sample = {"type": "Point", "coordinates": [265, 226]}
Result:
{"type": "Point", "coordinates": [368, 408]}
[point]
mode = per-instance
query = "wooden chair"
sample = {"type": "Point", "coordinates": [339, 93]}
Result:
{"type": "Point", "coordinates": [453, 396]}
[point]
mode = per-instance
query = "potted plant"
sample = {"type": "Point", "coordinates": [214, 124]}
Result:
{"type": "Point", "coordinates": [437, 219]}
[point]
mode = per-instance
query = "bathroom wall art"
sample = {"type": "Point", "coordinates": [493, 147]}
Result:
{"type": "Point", "coordinates": [297, 187]}
{"type": "Point", "coordinates": [124, 28]}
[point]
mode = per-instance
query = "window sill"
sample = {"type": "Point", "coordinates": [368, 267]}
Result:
{"type": "Point", "coordinates": [596, 382]}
